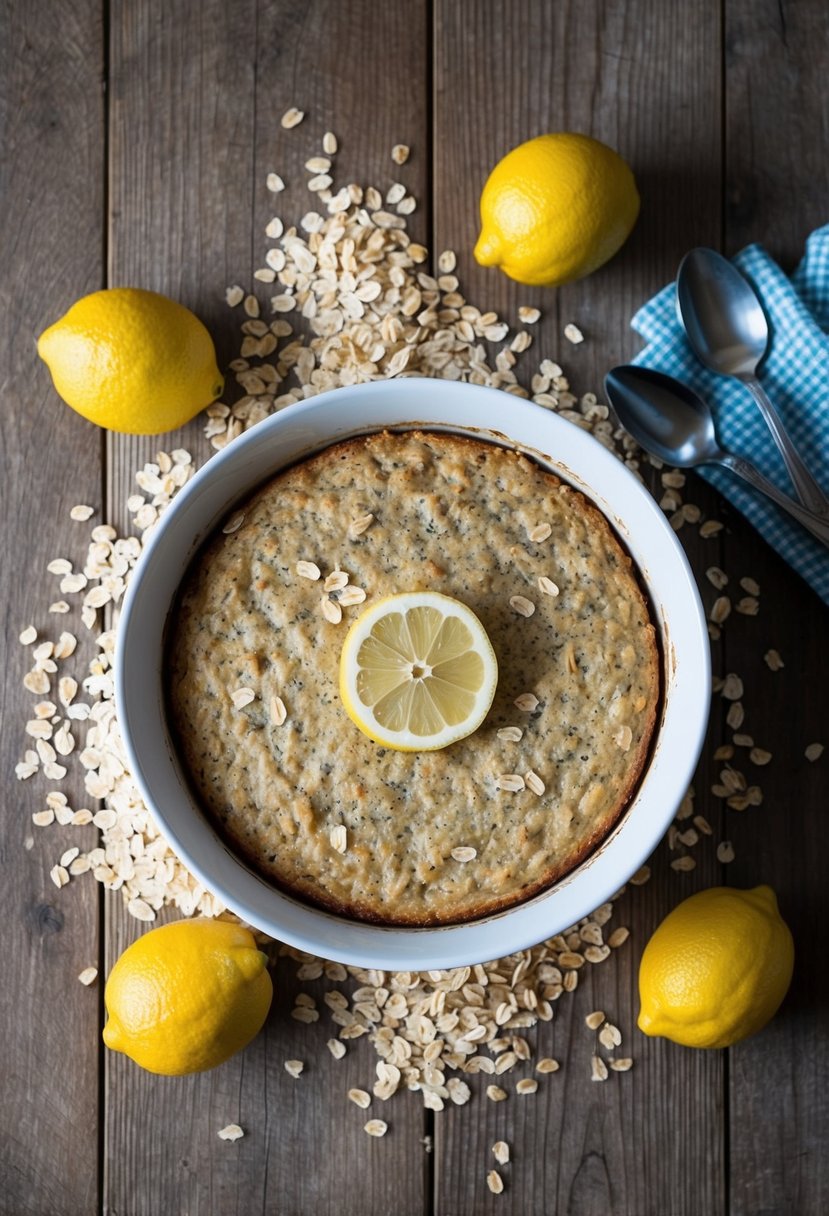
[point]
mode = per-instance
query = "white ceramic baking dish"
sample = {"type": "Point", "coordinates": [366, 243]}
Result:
{"type": "Point", "coordinates": [286, 437]}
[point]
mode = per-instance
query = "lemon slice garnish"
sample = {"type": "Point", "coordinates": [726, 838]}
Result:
{"type": "Point", "coordinates": [417, 671]}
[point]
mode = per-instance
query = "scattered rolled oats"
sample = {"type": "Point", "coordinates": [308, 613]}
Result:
{"type": "Point", "coordinates": [546, 1064]}
{"type": "Point", "coordinates": [358, 526]}
{"type": "Point", "coordinates": [232, 1132]}
{"type": "Point", "coordinates": [331, 610]}
{"type": "Point", "coordinates": [81, 513]}
{"type": "Point", "coordinates": [510, 734]}
{"type": "Point", "coordinates": [539, 533]}
{"type": "Point", "coordinates": [594, 1020]}
{"type": "Point", "coordinates": [710, 528]}
{"type": "Point", "coordinates": [495, 1182]}
{"type": "Point", "coordinates": [512, 783]}
{"type": "Point", "coordinates": [758, 755]}
{"type": "Point", "coordinates": [337, 1048]}
{"type": "Point", "coordinates": [683, 863]}
{"type": "Point", "coordinates": [573, 334]}
{"type": "Point", "coordinates": [598, 1069]}
{"type": "Point", "coordinates": [464, 853]}
{"type": "Point", "coordinates": [242, 697]}
{"type": "Point", "coordinates": [400, 154]}
{"type": "Point", "coordinates": [522, 605]}
{"type": "Point", "coordinates": [500, 1151]}
{"type": "Point", "coordinates": [527, 702]}
{"type": "Point", "coordinates": [376, 1127]}
{"type": "Point", "coordinates": [814, 751]}
{"type": "Point", "coordinates": [547, 586]}
{"type": "Point", "coordinates": [294, 1067]}
{"type": "Point", "coordinates": [528, 315]}
{"type": "Point", "coordinates": [350, 596]}
{"type": "Point", "coordinates": [291, 118]}
{"type": "Point", "coordinates": [495, 1093]}
{"type": "Point", "coordinates": [234, 523]}
{"type": "Point", "coordinates": [534, 783]}
{"type": "Point", "coordinates": [610, 1036]}
{"type": "Point", "coordinates": [339, 838]}
{"type": "Point", "coordinates": [725, 852]}
{"type": "Point", "coordinates": [773, 660]}
{"type": "Point", "coordinates": [621, 1064]}
{"type": "Point", "coordinates": [88, 976]}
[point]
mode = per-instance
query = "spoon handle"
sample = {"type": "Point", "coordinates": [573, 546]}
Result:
{"type": "Point", "coordinates": [807, 489]}
{"type": "Point", "coordinates": [818, 527]}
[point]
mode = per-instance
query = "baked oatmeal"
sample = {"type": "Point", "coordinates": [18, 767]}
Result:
{"type": "Point", "coordinates": [399, 837]}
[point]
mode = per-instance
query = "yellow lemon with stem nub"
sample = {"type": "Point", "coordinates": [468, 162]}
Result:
{"type": "Point", "coordinates": [716, 969]}
{"type": "Point", "coordinates": [187, 996]}
{"type": "Point", "coordinates": [132, 361]}
{"type": "Point", "coordinates": [417, 671]}
{"type": "Point", "coordinates": [555, 209]}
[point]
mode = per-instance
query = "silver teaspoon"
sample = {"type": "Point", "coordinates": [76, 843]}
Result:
{"type": "Point", "coordinates": [729, 333]}
{"type": "Point", "coordinates": [671, 421]}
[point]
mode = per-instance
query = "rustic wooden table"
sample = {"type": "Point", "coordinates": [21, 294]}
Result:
{"type": "Point", "coordinates": [136, 141]}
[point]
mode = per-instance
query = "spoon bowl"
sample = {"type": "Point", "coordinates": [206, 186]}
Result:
{"type": "Point", "coordinates": [722, 316]}
{"type": "Point", "coordinates": [669, 420]}
{"type": "Point", "coordinates": [664, 416]}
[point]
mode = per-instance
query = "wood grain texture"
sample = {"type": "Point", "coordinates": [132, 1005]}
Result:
{"type": "Point", "coordinates": [195, 96]}
{"type": "Point", "coordinates": [777, 127]}
{"type": "Point", "coordinates": [779, 1081]}
{"type": "Point", "coordinates": [51, 116]}
{"type": "Point", "coordinates": [644, 78]}
{"type": "Point", "coordinates": [195, 131]}
{"type": "Point", "coordinates": [776, 123]}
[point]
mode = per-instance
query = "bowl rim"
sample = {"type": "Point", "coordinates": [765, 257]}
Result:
{"type": "Point", "coordinates": [404, 404]}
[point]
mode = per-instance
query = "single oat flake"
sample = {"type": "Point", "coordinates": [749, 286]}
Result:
{"type": "Point", "coordinates": [495, 1182]}
{"type": "Point", "coordinates": [500, 1151]}
{"type": "Point", "coordinates": [232, 1132]}
{"type": "Point", "coordinates": [291, 118]}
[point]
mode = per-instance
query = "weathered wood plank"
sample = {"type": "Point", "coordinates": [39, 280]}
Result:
{"type": "Point", "coordinates": [195, 131]}
{"type": "Point", "coordinates": [777, 124]}
{"type": "Point", "coordinates": [778, 1104]}
{"type": "Point", "coordinates": [51, 114]}
{"type": "Point", "coordinates": [645, 79]}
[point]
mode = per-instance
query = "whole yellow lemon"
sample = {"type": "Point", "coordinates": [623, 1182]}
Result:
{"type": "Point", "coordinates": [187, 996]}
{"type": "Point", "coordinates": [555, 209]}
{"type": "Point", "coordinates": [716, 969]}
{"type": "Point", "coordinates": [132, 361]}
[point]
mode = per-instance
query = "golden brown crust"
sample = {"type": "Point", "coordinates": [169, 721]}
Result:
{"type": "Point", "coordinates": [454, 515]}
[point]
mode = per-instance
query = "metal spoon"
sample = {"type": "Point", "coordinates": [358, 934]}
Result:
{"type": "Point", "coordinates": [729, 333]}
{"type": "Point", "coordinates": [670, 421]}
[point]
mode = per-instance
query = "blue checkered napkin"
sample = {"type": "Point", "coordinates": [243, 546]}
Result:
{"type": "Point", "coordinates": [795, 374]}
